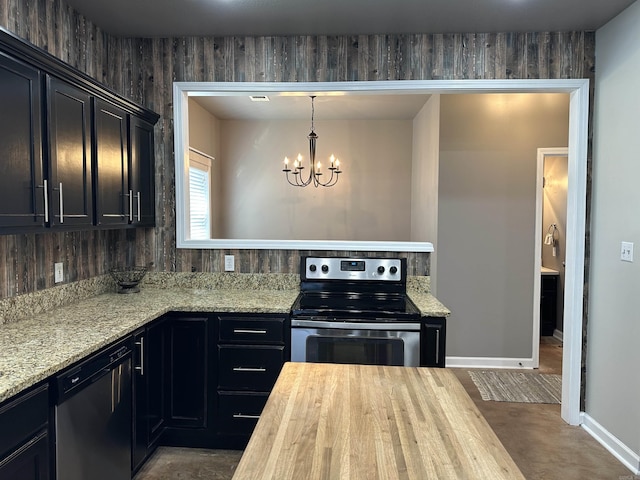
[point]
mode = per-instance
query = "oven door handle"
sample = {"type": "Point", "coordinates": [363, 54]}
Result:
{"type": "Point", "coordinates": [355, 325]}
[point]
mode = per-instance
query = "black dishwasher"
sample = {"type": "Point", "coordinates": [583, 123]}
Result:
{"type": "Point", "coordinates": [93, 417]}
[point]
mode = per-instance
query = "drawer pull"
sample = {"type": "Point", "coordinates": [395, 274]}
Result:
{"type": "Point", "coordinates": [243, 330]}
{"type": "Point", "coordinates": [242, 415]}
{"type": "Point", "coordinates": [249, 369]}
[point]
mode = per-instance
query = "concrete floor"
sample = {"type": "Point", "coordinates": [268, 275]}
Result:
{"type": "Point", "coordinates": [541, 444]}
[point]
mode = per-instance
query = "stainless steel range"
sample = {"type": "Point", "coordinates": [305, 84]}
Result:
{"type": "Point", "coordinates": [354, 310]}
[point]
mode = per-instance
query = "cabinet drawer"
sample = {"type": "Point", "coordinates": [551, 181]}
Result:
{"type": "Point", "coordinates": [252, 330]}
{"type": "Point", "coordinates": [253, 367]}
{"type": "Point", "coordinates": [238, 412]}
{"type": "Point", "coordinates": [23, 417]}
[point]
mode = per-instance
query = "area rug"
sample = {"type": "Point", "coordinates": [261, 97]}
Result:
{"type": "Point", "coordinates": [518, 387]}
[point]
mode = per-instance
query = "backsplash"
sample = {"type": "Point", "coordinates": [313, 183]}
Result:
{"type": "Point", "coordinates": [144, 69]}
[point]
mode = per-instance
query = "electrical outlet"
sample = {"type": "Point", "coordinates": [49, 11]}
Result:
{"type": "Point", "coordinates": [626, 251]}
{"type": "Point", "coordinates": [58, 272]}
{"type": "Point", "coordinates": [229, 263]}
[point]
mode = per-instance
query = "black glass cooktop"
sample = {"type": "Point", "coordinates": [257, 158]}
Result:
{"type": "Point", "coordinates": [364, 306]}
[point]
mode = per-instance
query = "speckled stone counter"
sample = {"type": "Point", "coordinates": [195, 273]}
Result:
{"type": "Point", "coordinates": [40, 342]}
{"type": "Point", "coordinates": [35, 348]}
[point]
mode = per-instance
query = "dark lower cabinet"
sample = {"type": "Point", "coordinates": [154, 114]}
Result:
{"type": "Point", "coordinates": [149, 408]}
{"type": "Point", "coordinates": [548, 304]}
{"type": "Point", "coordinates": [24, 436]}
{"type": "Point", "coordinates": [188, 395]}
{"type": "Point", "coordinates": [252, 349]}
{"type": "Point", "coordinates": [238, 412]}
{"type": "Point", "coordinates": [433, 342]}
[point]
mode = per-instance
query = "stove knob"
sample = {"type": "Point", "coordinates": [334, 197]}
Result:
{"type": "Point", "coordinates": [380, 269]}
{"type": "Point", "coordinates": [325, 268]}
{"type": "Point", "coordinates": [393, 270]}
{"type": "Point", "coordinates": [312, 268]}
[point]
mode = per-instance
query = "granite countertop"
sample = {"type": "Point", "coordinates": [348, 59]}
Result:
{"type": "Point", "coordinates": [37, 347]}
{"type": "Point", "coordinates": [40, 345]}
{"type": "Point", "coordinates": [548, 271]}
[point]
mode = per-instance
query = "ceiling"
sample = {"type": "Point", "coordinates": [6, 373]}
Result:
{"type": "Point", "coordinates": [297, 107]}
{"type": "Point", "coordinates": [165, 18]}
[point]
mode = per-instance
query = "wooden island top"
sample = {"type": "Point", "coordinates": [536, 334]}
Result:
{"type": "Point", "coordinates": [327, 421]}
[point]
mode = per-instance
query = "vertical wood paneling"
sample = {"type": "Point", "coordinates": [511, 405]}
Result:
{"type": "Point", "coordinates": [144, 70]}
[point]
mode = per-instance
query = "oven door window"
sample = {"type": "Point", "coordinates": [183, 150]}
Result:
{"type": "Point", "coordinates": [355, 350]}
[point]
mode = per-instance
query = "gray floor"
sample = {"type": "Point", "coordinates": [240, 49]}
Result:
{"type": "Point", "coordinates": [541, 444]}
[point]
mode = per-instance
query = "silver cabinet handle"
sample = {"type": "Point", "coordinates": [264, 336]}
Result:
{"type": "Point", "coordinates": [138, 196]}
{"type": "Point", "coordinates": [45, 186]}
{"type": "Point", "coordinates": [242, 330]}
{"type": "Point", "coordinates": [131, 205]}
{"type": "Point", "coordinates": [249, 369]}
{"type": "Point", "coordinates": [61, 204]}
{"type": "Point", "coordinates": [437, 345]}
{"type": "Point", "coordinates": [242, 415]}
{"type": "Point", "coordinates": [141, 367]}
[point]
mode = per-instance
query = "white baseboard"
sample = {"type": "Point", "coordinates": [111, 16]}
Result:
{"type": "Point", "coordinates": [488, 362]}
{"type": "Point", "coordinates": [628, 457]}
{"type": "Point", "coordinates": [557, 334]}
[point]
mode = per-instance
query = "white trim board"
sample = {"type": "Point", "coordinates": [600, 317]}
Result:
{"type": "Point", "coordinates": [628, 457]}
{"type": "Point", "coordinates": [489, 362]}
{"type": "Point", "coordinates": [578, 90]}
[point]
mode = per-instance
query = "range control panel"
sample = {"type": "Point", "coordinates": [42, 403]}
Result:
{"type": "Point", "coordinates": [339, 268]}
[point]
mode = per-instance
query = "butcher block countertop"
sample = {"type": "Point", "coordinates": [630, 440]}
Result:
{"type": "Point", "coordinates": [353, 422]}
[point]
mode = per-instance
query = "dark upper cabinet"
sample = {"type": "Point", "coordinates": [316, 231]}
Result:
{"type": "Point", "coordinates": [70, 141]}
{"type": "Point", "coordinates": [114, 199]}
{"type": "Point", "coordinates": [141, 172]}
{"type": "Point", "coordinates": [73, 153]}
{"type": "Point", "coordinates": [22, 191]}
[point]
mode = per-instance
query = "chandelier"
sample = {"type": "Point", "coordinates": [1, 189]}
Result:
{"type": "Point", "coordinates": [315, 171]}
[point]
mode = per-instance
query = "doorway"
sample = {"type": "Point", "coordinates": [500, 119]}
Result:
{"type": "Point", "coordinates": [550, 241]}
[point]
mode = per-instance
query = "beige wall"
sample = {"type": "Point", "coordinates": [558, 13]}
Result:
{"type": "Point", "coordinates": [486, 217]}
{"type": "Point", "coordinates": [371, 201]}
{"type": "Point", "coordinates": [204, 135]}
{"type": "Point", "coordinates": [424, 175]}
{"type": "Point", "coordinates": [613, 353]}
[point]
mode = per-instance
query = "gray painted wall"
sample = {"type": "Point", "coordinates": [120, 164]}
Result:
{"type": "Point", "coordinates": [486, 217]}
{"type": "Point", "coordinates": [613, 357]}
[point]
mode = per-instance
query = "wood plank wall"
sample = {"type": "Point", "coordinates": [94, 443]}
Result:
{"type": "Point", "coordinates": [144, 69]}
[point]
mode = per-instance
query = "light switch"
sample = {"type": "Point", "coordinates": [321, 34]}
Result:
{"type": "Point", "coordinates": [626, 251]}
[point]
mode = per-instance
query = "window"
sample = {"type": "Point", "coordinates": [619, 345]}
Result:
{"type": "Point", "coordinates": [199, 196]}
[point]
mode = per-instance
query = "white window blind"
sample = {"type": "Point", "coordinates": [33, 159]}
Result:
{"type": "Point", "coordinates": [199, 199]}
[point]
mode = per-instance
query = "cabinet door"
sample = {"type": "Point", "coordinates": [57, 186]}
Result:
{"type": "Point", "coordinates": [22, 191]}
{"type": "Point", "coordinates": [149, 393]}
{"type": "Point", "coordinates": [113, 196]}
{"type": "Point", "coordinates": [433, 342]}
{"type": "Point", "coordinates": [142, 172]}
{"type": "Point", "coordinates": [187, 388]}
{"type": "Point", "coordinates": [30, 462]}
{"type": "Point", "coordinates": [71, 199]}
